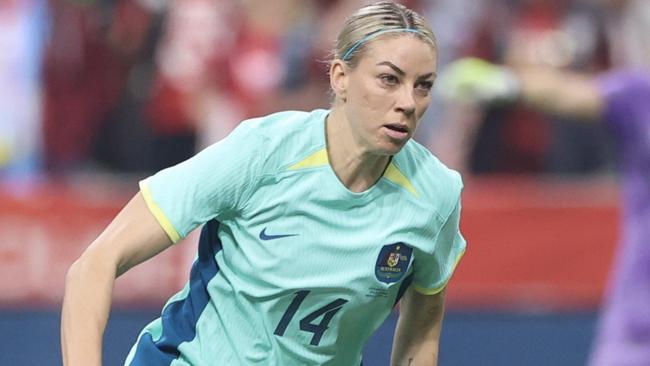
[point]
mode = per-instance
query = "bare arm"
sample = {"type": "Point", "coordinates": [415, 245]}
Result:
{"type": "Point", "coordinates": [418, 328]}
{"type": "Point", "coordinates": [131, 238]}
{"type": "Point", "coordinates": [560, 92]}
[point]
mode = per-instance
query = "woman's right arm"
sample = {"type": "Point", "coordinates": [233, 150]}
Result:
{"type": "Point", "coordinates": [131, 238]}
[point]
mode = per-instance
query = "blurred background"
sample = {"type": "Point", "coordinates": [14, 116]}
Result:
{"type": "Point", "coordinates": [98, 94]}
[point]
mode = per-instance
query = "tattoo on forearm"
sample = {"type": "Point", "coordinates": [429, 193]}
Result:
{"type": "Point", "coordinates": [434, 310]}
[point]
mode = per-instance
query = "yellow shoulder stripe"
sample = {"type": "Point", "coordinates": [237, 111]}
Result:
{"type": "Point", "coordinates": [394, 175]}
{"type": "Point", "coordinates": [319, 158]}
{"type": "Point", "coordinates": [158, 213]}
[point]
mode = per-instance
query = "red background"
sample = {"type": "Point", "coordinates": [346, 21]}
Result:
{"type": "Point", "coordinates": [531, 243]}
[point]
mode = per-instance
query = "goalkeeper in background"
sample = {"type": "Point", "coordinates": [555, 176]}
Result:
{"type": "Point", "coordinates": [621, 100]}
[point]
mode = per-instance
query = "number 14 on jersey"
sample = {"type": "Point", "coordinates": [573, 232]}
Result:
{"type": "Point", "coordinates": [307, 323]}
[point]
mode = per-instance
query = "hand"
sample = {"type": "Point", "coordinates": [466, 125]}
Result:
{"type": "Point", "coordinates": [472, 80]}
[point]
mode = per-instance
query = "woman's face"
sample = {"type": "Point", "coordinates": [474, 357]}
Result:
{"type": "Point", "coordinates": [389, 91]}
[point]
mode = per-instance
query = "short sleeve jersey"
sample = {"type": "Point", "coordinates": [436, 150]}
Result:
{"type": "Point", "coordinates": [293, 268]}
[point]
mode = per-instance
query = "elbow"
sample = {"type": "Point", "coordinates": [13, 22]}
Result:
{"type": "Point", "coordinates": [75, 272]}
{"type": "Point", "coordinates": [72, 273]}
{"type": "Point", "coordinates": [90, 266]}
{"type": "Point", "coordinates": [74, 284]}
{"type": "Point", "coordinates": [75, 275]}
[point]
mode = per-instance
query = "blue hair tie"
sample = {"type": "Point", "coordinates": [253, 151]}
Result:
{"type": "Point", "coordinates": [373, 35]}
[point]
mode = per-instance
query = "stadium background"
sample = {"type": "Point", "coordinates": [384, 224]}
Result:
{"type": "Point", "coordinates": [95, 95]}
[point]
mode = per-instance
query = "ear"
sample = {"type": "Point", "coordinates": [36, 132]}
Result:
{"type": "Point", "coordinates": [339, 79]}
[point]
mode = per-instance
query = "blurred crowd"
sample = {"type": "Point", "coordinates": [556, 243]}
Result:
{"type": "Point", "coordinates": [133, 86]}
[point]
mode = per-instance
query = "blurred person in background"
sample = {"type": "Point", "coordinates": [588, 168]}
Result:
{"type": "Point", "coordinates": [315, 225]}
{"type": "Point", "coordinates": [138, 85]}
{"type": "Point", "coordinates": [561, 34]}
{"type": "Point", "coordinates": [620, 99]}
{"type": "Point", "coordinates": [121, 79]}
{"type": "Point", "coordinates": [264, 62]}
{"type": "Point", "coordinates": [23, 28]}
{"type": "Point", "coordinates": [95, 64]}
{"type": "Point", "coordinates": [455, 23]}
{"type": "Point", "coordinates": [519, 32]}
{"type": "Point", "coordinates": [152, 124]}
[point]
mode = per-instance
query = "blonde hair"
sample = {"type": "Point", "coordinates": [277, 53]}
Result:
{"type": "Point", "coordinates": [383, 17]}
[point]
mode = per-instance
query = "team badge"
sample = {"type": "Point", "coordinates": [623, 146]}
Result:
{"type": "Point", "coordinates": [393, 262]}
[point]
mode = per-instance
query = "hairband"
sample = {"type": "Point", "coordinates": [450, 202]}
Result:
{"type": "Point", "coordinates": [373, 35]}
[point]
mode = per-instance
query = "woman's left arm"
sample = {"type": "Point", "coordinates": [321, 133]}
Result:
{"type": "Point", "coordinates": [418, 328]}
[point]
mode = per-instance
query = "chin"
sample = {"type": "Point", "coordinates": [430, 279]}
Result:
{"type": "Point", "coordinates": [390, 148]}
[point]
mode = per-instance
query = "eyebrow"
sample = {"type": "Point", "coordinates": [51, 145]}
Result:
{"type": "Point", "coordinates": [401, 72]}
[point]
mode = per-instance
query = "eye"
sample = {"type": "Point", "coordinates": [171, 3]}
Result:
{"type": "Point", "coordinates": [424, 85]}
{"type": "Point", "coordinates": [389, 79]}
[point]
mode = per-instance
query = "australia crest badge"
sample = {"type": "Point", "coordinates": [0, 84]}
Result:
{"type": "Point", "coordinates": [393, 262]}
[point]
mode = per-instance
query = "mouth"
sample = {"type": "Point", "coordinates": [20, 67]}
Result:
{"type": "Point", "coordinates": [396, 130]}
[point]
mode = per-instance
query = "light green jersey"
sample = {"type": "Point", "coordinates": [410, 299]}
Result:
{"type": "Point", "coordinates": [294, 268]}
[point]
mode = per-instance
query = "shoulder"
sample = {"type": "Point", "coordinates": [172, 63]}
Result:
{"type": "Point", "coordinates": [625, 94]}
{"type": "Point", "coordinates": [626, 78]}
{"type": "Point", "coordinates": [279, 123]}
{"type": "Point", "coordinates": [280, 138]}
{"type": "Point", "coordinates": [277, 127]}
{"type": "Point", "coordinates": [435, 183]}
{"type": "Point", "coordinates": [624, 84]}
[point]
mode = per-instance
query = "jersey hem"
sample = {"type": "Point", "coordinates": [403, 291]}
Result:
{"type": "Point", "coordinates": [435, 290]}
{"type": "Point", "coordinates": [158, 213]}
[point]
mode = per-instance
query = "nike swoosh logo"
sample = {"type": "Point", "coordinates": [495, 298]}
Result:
{"type": "Point", "coordinates": [265, 236]}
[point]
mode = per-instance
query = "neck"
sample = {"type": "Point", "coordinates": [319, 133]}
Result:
{"type": "Point", "coordinates": [356, 167]}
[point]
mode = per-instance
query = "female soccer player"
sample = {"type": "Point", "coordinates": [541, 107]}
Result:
{"type": "Point", "coordinates": [314, 225]}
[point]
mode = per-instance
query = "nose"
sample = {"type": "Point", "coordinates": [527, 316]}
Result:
{"type": "Point", "coordinates": [405, 101]}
